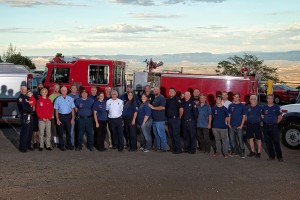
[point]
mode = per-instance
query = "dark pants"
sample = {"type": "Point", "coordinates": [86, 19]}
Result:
{"type": "Point", "coordinates": [203, 137]}
{"type": "Point", "coordinates": [272, 139]}
{"type": "Point", "coordinates": [26, 132]}
{"type": "Point", "coordinates": [85, 124]}
{"type": "Point", "coordinates": [65, 126]}
{"type": "Point", "coordinates": [117, 132]}
{"type": "Point", "coordinates": [99, 134]}
{"type": "Point", "coordinates": [189, 136]}
{"type": "Point", "coordinates": [130, 133]}
{"type": "Point", "coordinates": [174, 131]}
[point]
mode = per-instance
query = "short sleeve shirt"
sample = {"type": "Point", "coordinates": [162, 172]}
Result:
{"type": "Point", "coordinates": [130, 108]}
{"type": "Point", "coordinates": [236, 112]}
{"type": "Point", "coordinates": [64, 105]}
{"type": "Point", "coordinates": [253, 113]}
{"type": "Point", "coordinates": [219, 115]}
{"type": "Point", "coordinates": [100, 107]}
{"type": "Point", "coordinates": [271, 113]}
{"type": "Point", "coordinates": [84, 107]}
{"type": "Point", "coordinates": [172, 107]}
{"type": "Point", "coordinates": [144, 110]}
{"type": "Point", "coordinates": [114, 108]}
{"type": "Point", "coordinates": [203, 116]}
{"type": "Point", "coordinates": [159, 115]}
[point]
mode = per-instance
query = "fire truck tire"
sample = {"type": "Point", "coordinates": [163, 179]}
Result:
{"type": "Point", "coordinates": [291, 137]}
{"type": "Point", "coordinates": [277, 99]}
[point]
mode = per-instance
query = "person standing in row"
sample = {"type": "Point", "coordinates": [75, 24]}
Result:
{"type": "Point", "coordinates": [100, 118]}
{"type": "Point", "coordinates": [93, 95]}
{"type": "Point", "coordinates": [145, 122]}
{"type": "Point", "coordinates": [158, 116]}
{"type": "Point", "coordinates": [25, 111]}
{"type": "Point", "coordinates": [219, 127]}
{"type": "Point", "coordinates": [64, 112]}
{"type": "Point", "coordinates": [44, 111]}
{"type": "Point", "coordinates": [226, 103]}
{"type": "Point", "coordinates": [109, 135]}
{"type": "Point", "coordinates": [271, 116]}
{"type": "Point", "coordinates": [174, 112]}
{"type": "Point", "coordinates": [204, 124]}
{"type": "Point", "coordinates": [189, 120]}
{"type": "Point", "coordinates": [54, 128]}
{"type": "Point", "coordinates": [114, 106]}
{"type": "Point", "coordinates": [150, 95]}
{"type": "Point", "coordinates": [237, 117]}
{"type": "Point", "coordinates": [129, 115]}
{"type": "Point", "coordinates": [83, 107]}
{"type": "Point", "coordinates": [75, 96]}
{"type": "Point", "coordinates": [253, 126]}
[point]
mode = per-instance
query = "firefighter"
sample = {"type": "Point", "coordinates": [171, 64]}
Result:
{"type": "Point", "coordinates": [174, 112]}
{"type": "Point", "coordinates": [150, 95]}
{"type": "Point", "coordinates": [54, 128]}
{"type": "Point", "coordinates": [237, 117]}
{"type": "Point", "coordinates": [189, 121]}
{"type": "Point", "coordinates": [114, 106]}
{"type": "Point", "coordinates": [64, 112]}
{"type": "Point", "coordinates": [271, 116]}
{"type": "Point", "coordinates": [25, 111]}
{"type": "Point", "coordinates": [83, 107]}
{"type": "Point", "coordinates": [158, 116]}
{"type": "Point", "coordinates": [75, 96]}
{"type": "Point", "coordinates": [93, 95]}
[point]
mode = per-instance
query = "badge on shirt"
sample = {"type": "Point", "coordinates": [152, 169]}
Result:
{"type": "Point", "coordinates": [216, 112]}
{"type": "Point", "coordinates": [266, 112]}
{"type": "Point", "coordinates": [80, 105]}
{"type": "Point", "coordinates": [20, 100]}
{"type": "Point", "coordinates": [232, 108]}
{"type": "Point", "coordinates": [189, 105]}
{"type": "Point", "coordinates": [249, 109]}
{"type": "Point", "coordinates": [100, 106]}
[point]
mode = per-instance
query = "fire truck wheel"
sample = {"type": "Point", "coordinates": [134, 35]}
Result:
{"type": "Point", "coordinates": [277, 99]}
{"type": "Point", "coordinates": [291, 136]}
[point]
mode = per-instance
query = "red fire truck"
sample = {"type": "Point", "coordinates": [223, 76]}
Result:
{"type": "Point", "coordinates": [85, 74]}
{"type": "Point", "coordinates": [211, 85]}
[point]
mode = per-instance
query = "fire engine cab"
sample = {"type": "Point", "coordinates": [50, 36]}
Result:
{"type": "Point", "coordinates": [85, 74]}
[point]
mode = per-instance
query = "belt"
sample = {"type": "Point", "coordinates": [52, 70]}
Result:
{"type": "Point", "coordinates": [85, 117]}
{"type": "Point", "coordinates": [188, 120]}
{"type": "Point", "coordinates": [173, 117]}
{"type": "Point", "coordinates": [65, 114]}
{"type": "Point", "coordinates": [253, 123]}
{"type": "Point", "coordinates": [117, 118]}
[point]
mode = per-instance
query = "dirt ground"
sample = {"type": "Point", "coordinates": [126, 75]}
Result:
{"type": "Point", "coordinates": [138, 175]}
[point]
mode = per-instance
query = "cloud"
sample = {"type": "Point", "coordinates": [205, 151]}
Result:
{"type": "Point", "coordinates": [163, 2]}
{"type": "Point", "coordinates": [34, 3]}
{"type": "Point", "coordinates": [21, 30]}
{"type": "Point", "coordinates": [153, 15]}
{"type": "Point", "coordinates": [213, 27]}
{"type": "Point", "coordinates": [125, 28]}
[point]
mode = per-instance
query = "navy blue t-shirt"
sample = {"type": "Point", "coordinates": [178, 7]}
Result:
{"type": "Point", "coordinates": [219, 115]}
{"type": "Point", "coordinates": [94, 98]}
{"type": "Point", "coordinates": [144, 110]}
{"type": "Point", "coordinates": [129, 109]}
{"type": "Point", "coordinates": [253, 113]}
{"type": "Point", "coordinates": [271, 113]}
{"type": "Point", "coordinates": [236, 112]}
{"type": "Point", "coordinates": [84, 107]}
{"type": "Point", "coordinates": [100, 107]}
{"type": "Point", "coordinates": [159, 115]}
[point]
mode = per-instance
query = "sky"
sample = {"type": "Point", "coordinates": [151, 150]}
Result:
{"type": "Point", "coordinates": [148, 27]}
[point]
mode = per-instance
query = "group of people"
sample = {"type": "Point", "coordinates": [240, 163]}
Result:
{"type": "Point", "coordinates": [120, 118]}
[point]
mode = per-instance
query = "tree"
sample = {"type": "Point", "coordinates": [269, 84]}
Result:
{"type": "Point", "coordinates": [11, 56]}
{"type": "Point", "coordinates": [234, 66]}
{"type": "Point", "coordinates": [1, 60]}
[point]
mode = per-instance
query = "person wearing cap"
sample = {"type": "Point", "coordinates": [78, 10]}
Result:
{"type": "Point", "coordinates": [253, 114]}
{"type": "Point", "coordinates": [64, 112]}
{"type": "Point", "coordinates": [83, 107]}
{"type": "Point", "coordinates": [75, 96]}
{"type": "Point", "coordinates": [114, 106]}
{"type": "Point", "coordinates": [219, 127]}
{"type": "Point", "coordinates": [204, 124]}
{"type": "Point", "coordinates": [174, 113]}
{"type": "Point", "coordinates": [189, 123]}
{"type": "Point", "coordinates": [237, 117]}
{"type": "Point", "coordinates": [271, 117]}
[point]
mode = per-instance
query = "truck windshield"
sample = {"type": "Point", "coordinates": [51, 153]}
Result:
{"type": "Point", "coordinates": [60, 75]}
{"type": "Point", "coordinates": [98, 74]}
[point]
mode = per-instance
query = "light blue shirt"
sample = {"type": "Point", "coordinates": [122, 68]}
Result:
{"type": "Point", "coordinates": [203, 117]}
{"type": "Point", "coordinates": [64, 105]}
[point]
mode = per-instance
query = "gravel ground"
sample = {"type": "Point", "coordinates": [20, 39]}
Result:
{"type": "Point", "coordinates": [138, 175]}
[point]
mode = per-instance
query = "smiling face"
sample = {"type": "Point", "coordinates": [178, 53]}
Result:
{"type": "Point", "coordinates": [144, 98]}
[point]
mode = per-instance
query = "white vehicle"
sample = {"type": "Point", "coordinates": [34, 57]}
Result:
{"type": "Point", "coordinates": [291, 107]}
{"type": "Point", "coordinates": [12, 77]}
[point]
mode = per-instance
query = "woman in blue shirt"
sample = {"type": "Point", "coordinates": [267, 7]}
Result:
{"type": "Point", "coordinates": [100, 117]}
{"type": "Point", "coordinates": [145, 122]}
{"type": "Point", "coordinates": [129, 115]}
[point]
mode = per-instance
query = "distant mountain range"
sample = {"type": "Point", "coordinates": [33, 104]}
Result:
{"type": "Point", "coordinates": [188, 57]}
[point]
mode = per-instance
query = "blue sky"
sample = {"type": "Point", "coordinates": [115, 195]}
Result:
{"type": "Point", "coordinates": [143, 27]}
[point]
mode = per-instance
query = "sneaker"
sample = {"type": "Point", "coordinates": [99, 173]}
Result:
{"type": "Point", "coordinates": [142, 148]}
{"type": "Point", "coordinates": [49, 149]}
{"type": "Point", "coordinates": [225, 155]}
{"type": "Point", "coordinates": [243, 155]}
{"type": "Point", "coordinates": [251, 154]}
{"type": "Point", "coordinates": [257, 155]}
{"type": "Point", "coordinates": [146, 151]}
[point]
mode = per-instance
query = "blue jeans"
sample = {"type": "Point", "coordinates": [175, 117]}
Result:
{"type": "Point", "coordinates": [73, 133]}
{"type": "Point", "coordinates": [160, 135]}
{"type": "Point", "coordinates": [146, 130]}
{"type": "Point", "coordinates": [236, 138]}
{"type": "Point", "coordinates": [85, 125]}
